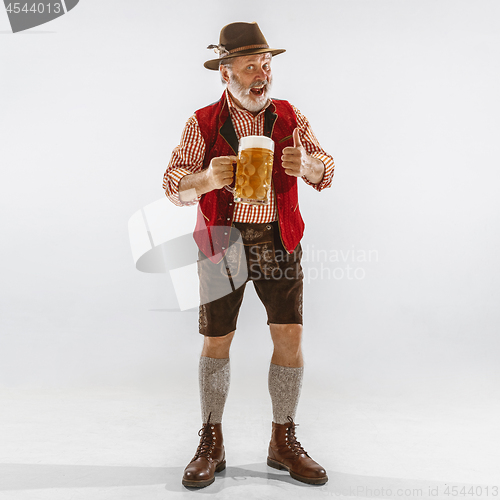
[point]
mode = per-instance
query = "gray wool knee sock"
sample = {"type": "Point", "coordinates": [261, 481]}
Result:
{"type": "Point", "coordinates": [284, 387]}
{"type": "Point", "coordinates": [214, 386]}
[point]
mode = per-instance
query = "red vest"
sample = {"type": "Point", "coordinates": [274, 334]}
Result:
{"type": "Point", "coordinates": [216, 208]}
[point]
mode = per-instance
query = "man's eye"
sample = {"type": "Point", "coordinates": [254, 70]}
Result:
{"type": "Point", "coordinates": [249, 67]}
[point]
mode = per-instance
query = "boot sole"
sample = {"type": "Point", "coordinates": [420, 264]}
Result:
{"type": "Point", "coordinates": [309, 480]}
{"type": "Point", "coordinates": [202, 484]}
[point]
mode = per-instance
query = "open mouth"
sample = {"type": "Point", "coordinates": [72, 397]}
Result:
{"type": "Point", "coordinates": [258, 91]}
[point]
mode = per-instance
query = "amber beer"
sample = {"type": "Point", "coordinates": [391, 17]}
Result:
{"type": "Point", "coordinates": [254, 169]}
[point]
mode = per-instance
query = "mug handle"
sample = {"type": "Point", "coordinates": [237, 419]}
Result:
{"type": "Point", "coordinates": [230, 188]}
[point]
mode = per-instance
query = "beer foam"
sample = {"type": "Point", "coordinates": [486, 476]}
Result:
{"type": "Point", "coordinates": [256, 141]}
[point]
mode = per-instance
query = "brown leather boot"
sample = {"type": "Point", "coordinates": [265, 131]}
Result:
{"type": "Point", "coordinates": [208, 459]}
{"type": "Point", "coordinates": [285, 452]}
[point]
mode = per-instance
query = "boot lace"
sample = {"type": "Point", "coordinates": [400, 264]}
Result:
{"type": "Point", "coordinates": [291, 439]}
{"type": "Point", "coordinates": [207, 444]}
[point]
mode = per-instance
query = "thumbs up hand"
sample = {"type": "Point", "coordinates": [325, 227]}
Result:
{"type": "Point", "coordinates": [298, 163]}
{"type": "Point", "coordinates": [295, 160]}
{"type": "Point", "coordinates": [296, 139]}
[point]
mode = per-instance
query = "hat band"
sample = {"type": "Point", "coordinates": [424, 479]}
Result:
{"type": "Point", "coordinates": [247, 47]}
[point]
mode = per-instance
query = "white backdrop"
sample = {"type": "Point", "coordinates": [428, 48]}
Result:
{"type": "Point", "coordinates": [404, 95]}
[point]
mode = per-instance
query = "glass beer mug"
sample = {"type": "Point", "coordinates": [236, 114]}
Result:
{"type": "Point", "coordinates": [254, 169]}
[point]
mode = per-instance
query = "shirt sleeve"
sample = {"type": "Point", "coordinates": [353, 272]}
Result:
{"type": "Point", "coordinates": [314, 149]}
{"type": "Point", "coordinates": [187, 158]}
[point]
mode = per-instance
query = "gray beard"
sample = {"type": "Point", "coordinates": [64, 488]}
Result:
{"type": "Point", "coordinates": [249, 102]}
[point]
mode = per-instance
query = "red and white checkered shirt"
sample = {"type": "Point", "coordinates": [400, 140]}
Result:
{"type": "Point", "coordinates": [187, 158]}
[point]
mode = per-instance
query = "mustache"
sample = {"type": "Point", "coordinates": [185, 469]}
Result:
{"type": "Point", "coordinates": [259, 84]}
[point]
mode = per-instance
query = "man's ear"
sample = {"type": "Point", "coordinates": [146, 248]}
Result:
{"type": "Point", "coordinates": [224, 73]}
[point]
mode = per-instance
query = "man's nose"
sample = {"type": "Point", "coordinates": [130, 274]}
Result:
{"type": "Point", "coordinates": [261, 74]}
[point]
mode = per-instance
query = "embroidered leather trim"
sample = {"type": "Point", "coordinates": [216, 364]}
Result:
{"type": "Point", "coordinates": [250, 234]}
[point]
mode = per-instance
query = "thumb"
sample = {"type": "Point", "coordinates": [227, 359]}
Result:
{"type": "Point", "coordinates": [296, 139]}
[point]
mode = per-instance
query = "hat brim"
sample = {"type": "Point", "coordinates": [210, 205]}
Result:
{"type": "Point", "coordinates": [214, 63]}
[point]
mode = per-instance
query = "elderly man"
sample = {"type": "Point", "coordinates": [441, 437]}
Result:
{"type": "Point", "coordinates": [200, 171]}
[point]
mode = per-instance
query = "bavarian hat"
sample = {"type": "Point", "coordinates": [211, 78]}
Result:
{"type": "Point", "coordinates": [239, 39]}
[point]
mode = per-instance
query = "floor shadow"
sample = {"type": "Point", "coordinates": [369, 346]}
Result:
{"type": "Point", "coordinates": [45, 476]}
